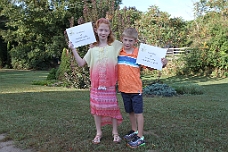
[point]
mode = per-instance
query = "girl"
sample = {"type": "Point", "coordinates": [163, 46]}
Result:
{"type": "Point", "coordinates": [102, 60]}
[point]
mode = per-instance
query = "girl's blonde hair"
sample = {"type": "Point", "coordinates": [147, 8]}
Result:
{"type": "Point", "coordinates": [110, 37]}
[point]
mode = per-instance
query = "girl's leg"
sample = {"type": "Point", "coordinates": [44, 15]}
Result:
{"type": "Point", "coordinates": [116, 137]}
{"type": "Point", "coordinates": [97, 138]}
{"type": "Point", "coordinates": [97, 120]}
{"type": "Point", "coordinates": [114, 126]}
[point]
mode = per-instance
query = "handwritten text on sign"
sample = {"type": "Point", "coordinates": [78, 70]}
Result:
{"type": "Point", "coordinates": [150, 56]}
{"type": "Point", "coordinates": [81, 35]}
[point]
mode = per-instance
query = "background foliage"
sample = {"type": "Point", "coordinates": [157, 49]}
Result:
{"type": "Point", "coordinates": [209, 37]}
{"type": "Point", "coordinates": [31, 32]}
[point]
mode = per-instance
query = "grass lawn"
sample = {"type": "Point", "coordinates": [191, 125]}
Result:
{"type": "Point", "coordinates": [57, 119]}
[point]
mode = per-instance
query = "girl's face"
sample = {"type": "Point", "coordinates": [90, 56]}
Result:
{"type": "Point", "coordinates": [103, 31]}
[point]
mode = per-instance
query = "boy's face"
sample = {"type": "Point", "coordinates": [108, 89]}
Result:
{"type": "Point", "coordinates": [128, 42]}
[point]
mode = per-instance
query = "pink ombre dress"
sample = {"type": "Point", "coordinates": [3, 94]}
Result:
{"type": "Point", "coordinates": [103, 75]}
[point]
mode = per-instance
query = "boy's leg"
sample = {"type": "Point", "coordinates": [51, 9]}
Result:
{"type": "Point", "coordinates": [133, 121]}
{"type": "Point", "coordinates": [138, 110]}
{"type": "Point", "coordinates": [137, 101]}
{"type": "Point", "coordinates": [129, 109]}
{"type": "Point", "coordinates": [139, 138]}
{"type": "Point", "coordinates": [140, 122]}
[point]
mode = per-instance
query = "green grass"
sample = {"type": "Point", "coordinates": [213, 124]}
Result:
{"type": "Point", "coordinates": [57, 119]}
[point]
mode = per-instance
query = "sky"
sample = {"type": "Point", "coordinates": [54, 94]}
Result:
{"type": "Point", "coordinates": [176, 8]}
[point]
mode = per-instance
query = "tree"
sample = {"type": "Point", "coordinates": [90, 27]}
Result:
{"type": "Point", "coordinates": [209, 35]}
{"type": "Point", "coordinates": [126, 17]}
{"type": "Point", "coordinates": [35, 30]}
{"type": "Point", "coordinates": [4, 56]}
{"type": "Point", "coordinates": [157, 28]}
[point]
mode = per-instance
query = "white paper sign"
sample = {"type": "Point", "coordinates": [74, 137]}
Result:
{"type": "Point", "coordinates": [81, 35]}
{"type": "Point", "coordinates": [150, 56]}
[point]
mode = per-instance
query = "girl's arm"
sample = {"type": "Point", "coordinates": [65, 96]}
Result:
{"type": "Point", "coordinates": [80, 61]}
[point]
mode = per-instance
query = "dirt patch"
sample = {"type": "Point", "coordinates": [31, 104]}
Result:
{"type": "Point", "coordinates": [8, 145]}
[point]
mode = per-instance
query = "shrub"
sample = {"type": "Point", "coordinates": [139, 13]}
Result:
{"type": "Point", "coordinates": [158, 89]}
{"type": "Point", "coordinates": [64, 65]}
{"type": "Point", "coordinates": [194, 89]}
{"type": "Point", "coordinates": [70, 74]}
{"type": "Point", "coordinates": [42, 83]}
{"type": "Point", "coordinates": [52, 74]}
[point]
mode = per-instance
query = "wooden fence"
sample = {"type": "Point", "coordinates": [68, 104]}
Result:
{"type": "Point", "coordinates": [174, 53]}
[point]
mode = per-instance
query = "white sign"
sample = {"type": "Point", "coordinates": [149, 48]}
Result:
{"type": "Point", "coordinates": [81, 35]}
{"type": "Point", "coordinates": [150, 56]}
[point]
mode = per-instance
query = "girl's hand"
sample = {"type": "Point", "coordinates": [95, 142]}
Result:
{"type": "Point", "coordinates": [70, 45]}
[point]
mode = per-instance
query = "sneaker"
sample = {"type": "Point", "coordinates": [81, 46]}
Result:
{"type": "Point", "coordinates": [137, 142]}
{"type": "Point", "coordinates": [131, 135]}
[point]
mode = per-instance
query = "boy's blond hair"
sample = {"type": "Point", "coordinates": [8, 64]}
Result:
{"type": "Point", "coordinates": [130, 32]}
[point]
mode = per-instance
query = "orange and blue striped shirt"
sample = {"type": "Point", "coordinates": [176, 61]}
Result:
{"type": "Point", "coordinates": [129, 72]}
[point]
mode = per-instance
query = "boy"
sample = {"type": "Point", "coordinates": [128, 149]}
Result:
{"type": "Point", "coordinates": [130, 86]}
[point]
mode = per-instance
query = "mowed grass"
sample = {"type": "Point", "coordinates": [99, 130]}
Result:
{"type": "Point", "coordinates": [57, 119]}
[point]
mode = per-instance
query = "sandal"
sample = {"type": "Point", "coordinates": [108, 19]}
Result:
{"type": "Point", "coordinates": [116, 138]}
{"type": "Point", "coordinates": [97, 139]}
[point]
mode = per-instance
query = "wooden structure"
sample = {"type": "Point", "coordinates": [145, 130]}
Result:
{"type": "Point", "coordinates": [174, 53]}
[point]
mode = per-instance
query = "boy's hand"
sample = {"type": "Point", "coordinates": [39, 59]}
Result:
{"type": "Point", "coordinates": [149, 68]}
{"type": "Point", "coordinates": [91, 46]}
{"type": "Point", "coordinates": [164, 62]}
{"type": "Point", "coordinates": [146, 67]}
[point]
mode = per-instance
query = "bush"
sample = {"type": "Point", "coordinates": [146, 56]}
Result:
{"type": "Point", "coordinates": [70, 74]}
{"type": "Point", "coordinates": [194, 89]}
{"type": "Point", "coordinates": [52, 74]}
{"type": "Point", "coordinates": [158, 89]}
{"type": "Point", "coordinates": [42, 83]}
{"type": "Point", "coordinates": [65, 66]}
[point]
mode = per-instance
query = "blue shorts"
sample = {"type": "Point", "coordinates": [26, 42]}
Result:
{"type": "Point", "coordinates": [133, 102]}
